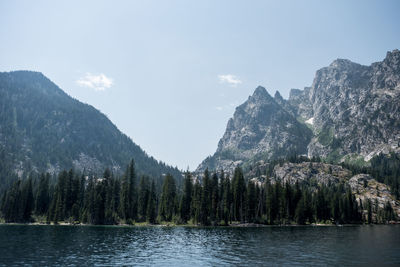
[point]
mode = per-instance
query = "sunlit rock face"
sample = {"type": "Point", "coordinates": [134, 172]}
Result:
{"type": "Point", "coordinates": [356, 108]}
{"type": "Point", "coordinates": [350, 111]}
{"type": "Point", "coordinates": [260, 128]}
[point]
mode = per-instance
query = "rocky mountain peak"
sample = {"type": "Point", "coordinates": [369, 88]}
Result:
{"type": "Point", "coordinates": [393, 57]}
{"type": "Point", "coordinates": [260, 94]}
{"type": "Point", "coordinates": [343, 64]}
{"type": "Point", "coordinates": [352, 112]}
{"type": "Point", "coordinates": [278, 96]}
{"type": "Point", "coordinates": [294, 92]}
{"type": "Point", "coordinates": [261, 127]}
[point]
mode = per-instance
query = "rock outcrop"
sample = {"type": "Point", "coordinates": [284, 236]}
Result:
{"type": "Point", "coordinates": [363, 186]}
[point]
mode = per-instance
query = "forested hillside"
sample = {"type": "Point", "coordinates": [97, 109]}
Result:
{"type": "Point", "coordinates": [42, 129]}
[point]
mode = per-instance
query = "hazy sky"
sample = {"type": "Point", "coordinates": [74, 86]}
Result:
{"type": "Point", "coordinates": [169, 74]}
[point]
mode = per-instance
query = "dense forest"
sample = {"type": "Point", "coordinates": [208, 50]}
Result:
{"type": "Point", "coordinates": [215, 200]}
{"type": "Point", "coordinates": [42, 129]}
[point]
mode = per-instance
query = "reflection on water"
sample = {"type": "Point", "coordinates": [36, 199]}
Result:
{"type": "Point", "coordinates": [102, 245]}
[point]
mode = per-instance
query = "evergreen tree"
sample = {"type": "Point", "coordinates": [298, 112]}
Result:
{"type": "Point", "coordinates": [251, 201]}
{"type": "Point", "coordinates": [143, 198]}
{"type": "Point", "coordinates": [124, 204]}
{"type": "Point", "coordinates": [167, 207]}
{"type": "Point", "coordinates": [239, 190]}
{"type": "Point", "coordinates": [205, 199]}
{"type": "Point", "coordinates": [195, 207]}
{"type": "Point", "coordinates": [214, 199]}
{"type": "Point", "coordinates": [27, 201]}
{"type": "Point", "coordinates": [227, 201]}
{"type": "Point", "coordinates": [186, 198]}
{"type": "Point", "coordinates": [132, 195]}
{"type": "Point", "coordinates": [152, 203]}
{"type": "Point", "coordinates": [42, 195]}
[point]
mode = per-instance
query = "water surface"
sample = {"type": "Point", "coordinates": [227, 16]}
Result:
{"type": "Point", "coordinates": [191, 246]}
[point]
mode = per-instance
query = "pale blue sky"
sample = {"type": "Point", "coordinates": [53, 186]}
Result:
{"type": "Point", "coordinates": [155, 67]}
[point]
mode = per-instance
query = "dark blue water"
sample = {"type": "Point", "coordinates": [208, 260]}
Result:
{"type": "Point", "coordinates": [185, 246]}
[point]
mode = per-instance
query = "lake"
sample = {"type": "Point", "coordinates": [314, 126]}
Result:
{"type": "Point", "coordinates": [192, 246]}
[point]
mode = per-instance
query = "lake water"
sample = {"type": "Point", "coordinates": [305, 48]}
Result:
{"type": "Point", "coordinates": [186, 246]}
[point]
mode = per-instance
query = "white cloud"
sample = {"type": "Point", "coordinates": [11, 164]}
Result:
{"type": "Point", "coordinates": [230, 79]}
{"type": "Point", "coordinates": [98, 82]}
{"type": "Point", "coordinates": [219, 108]}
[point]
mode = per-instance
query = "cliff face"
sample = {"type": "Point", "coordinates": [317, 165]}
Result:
{"type": "Point", "coordinates": [260, 128]}
{"type": "Point", "coordinates": [350, 112]}
{"type": "Point", "coordinates": [356, 108]}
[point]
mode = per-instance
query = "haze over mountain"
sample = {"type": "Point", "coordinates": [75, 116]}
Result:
{"type": "Point", "coordinates": [350, 113]}
{"type": "Point", "coordinates": [43, 129]}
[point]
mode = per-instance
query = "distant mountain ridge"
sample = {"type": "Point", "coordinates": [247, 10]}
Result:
{"type": "Point", "coordinates": [350, 113]}
{"type": "Point", "coordinates": [43, 129]}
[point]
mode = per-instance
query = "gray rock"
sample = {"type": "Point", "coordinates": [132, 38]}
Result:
{"type": "Point", "coordinates": [350, 110]}
{"type": "Point", "coordinates": [260, 129]}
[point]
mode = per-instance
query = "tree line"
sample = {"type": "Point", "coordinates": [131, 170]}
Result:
{"type": "Point", "coordinates": [215, 199]}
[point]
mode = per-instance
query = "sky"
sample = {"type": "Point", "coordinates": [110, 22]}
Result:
{"type": "Point", "coordinates": [169, 74]}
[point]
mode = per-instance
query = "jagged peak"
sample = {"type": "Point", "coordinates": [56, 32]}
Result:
{"type": "Point", "coordinates": [340, 62]}
{"type": "Point", "coordinates": [392, 57]}
{"type": "Point", "coordinates": [393, 53]}
{"type": "Point", "coordinates": [261, 92]}
{"type": "Point", "coordinates": [278, 95]}
{"type": "Point", "coordinates": [295, 92]}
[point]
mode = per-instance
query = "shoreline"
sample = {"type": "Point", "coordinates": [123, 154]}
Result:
{"type": "Point", "coordinates": [233, 225]}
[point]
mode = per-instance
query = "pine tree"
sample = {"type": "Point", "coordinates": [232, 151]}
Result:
{"type": "Point", "coordinates": [132, 195]}
{"type": "Point", "coordinates": [239, 190]}
{"type": "Point", "coordinates": [152, 203]}
{"type": "Point", "coordinates": [27, 201]}
{"type": "Point", "coordinates": [168, 199]}
{"type": "Point", "coordinates": [214, 199]}
{"type": "Point", "coordinates": [186, 198]}
{"type": "Point", "coordinates": [227, 201]}
{"type": "Point", "coordinates": [42, 196]}
{"type": "Point", "coordinates": [124, 204]}
{"type": "Point", "coordinates": [251, 201]}
{"type": "Point", "coordinates": [143, 198]}
{"type": "Point", "coordinates": [205, 199]}
{"type": "Point", "coordinates": [195, 207]}
{"type": "Point", "coordinates": [269, 202]}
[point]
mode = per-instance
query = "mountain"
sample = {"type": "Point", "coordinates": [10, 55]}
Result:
{"type": "Point", "coordinates": [261, 128]}
{"type": "Point", "coordinates": [356, 109]}
{"type": "Point", "coordinates": [351, 113]}
{"type": "Point", "coordinates": [43, 129]}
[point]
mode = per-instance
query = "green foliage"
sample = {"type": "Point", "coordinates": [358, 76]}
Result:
{"type": "Point", "coordinates": [217, 200]}
{"type": "Point", "coordinates": [384, 168]}
{"type": "Point", "coordinates": [152, 204]}
{"type": "Point", "coordinates": [41, 126]}
{"type": "Point", "coordinates": [186, 198]}
{"type": "Point", "coordinates": [168, 207]}
{"type": "Point", "coordinates": [239, 191]}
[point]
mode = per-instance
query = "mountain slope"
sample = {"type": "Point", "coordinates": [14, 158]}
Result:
{"type": "Point", "coordinates": [356, 108]}
{"type": "Point", "coordinates": [353, 111]}
{"type": "Point", "coordinates": [44, 129]}
{"type": "Point", "coordinates": [260, 129]}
